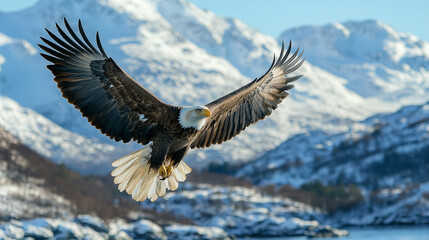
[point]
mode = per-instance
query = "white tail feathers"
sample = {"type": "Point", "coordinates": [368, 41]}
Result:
{"type": "Point", "coordinates": [133, 174]}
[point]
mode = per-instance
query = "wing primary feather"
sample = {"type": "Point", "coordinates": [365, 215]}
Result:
{"type": "Point", "coordinates": [99, 45]}
{"type": "Point", "coordinates": [75, 37]}
{"type": "Point", "coordinates": [287, 87]}
{"type": "Point", "coordinates": [294, 67]}
{"type": "Point", "coordinates": [61, 42]}
{"type": "Point", "coordinates": [292, 58]}
{"type": "Point", "coordinates": [297, 59]}
{"type": "Point", "coordinates": [52, 59]}
{"type": "Point", "coordinates": [82, 33]}
{"type": "Point", "coordinates": [292, 79]}
{"type": "Point", "coordinates": [286, 54]}
{"type": "Point", "coordinates": [274, 61]}
{"type": "Point", "coordinates": [52, 52]}
{"type": "Point", "coordinates": [281, 52]}
{"type": "Point", "coordinates": [56, 47]}
{"type": "Point", "coordinates": [68, 39]}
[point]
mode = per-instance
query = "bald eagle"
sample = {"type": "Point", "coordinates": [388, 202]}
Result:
{"type": "Point", "coordinates": [122, 109]}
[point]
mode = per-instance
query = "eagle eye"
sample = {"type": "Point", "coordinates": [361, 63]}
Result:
{"type": "Point", "coordinates": [198, 110]}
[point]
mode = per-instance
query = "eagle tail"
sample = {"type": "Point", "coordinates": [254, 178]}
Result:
{"type": "Point", "coordinates": [133, 174]}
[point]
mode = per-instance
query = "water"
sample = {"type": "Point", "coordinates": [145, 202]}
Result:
{"type": "Point", "coordinates": [375, 233]}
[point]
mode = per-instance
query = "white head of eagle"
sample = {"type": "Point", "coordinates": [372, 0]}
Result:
{"type": "Point", "coordinates": [194, 117]}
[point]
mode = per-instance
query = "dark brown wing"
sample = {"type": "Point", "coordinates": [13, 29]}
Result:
{"type": "Point", "coordinates": [111, 100]}
{"type": "Point", "coordinates": [245, 106]}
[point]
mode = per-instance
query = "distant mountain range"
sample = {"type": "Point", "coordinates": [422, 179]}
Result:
{"type": "Point", "coordinates": [386, 155]}
{"type": "Point", "coordinates": [385, 150]}
{"type": "Point", "coordinates": [188, 56]}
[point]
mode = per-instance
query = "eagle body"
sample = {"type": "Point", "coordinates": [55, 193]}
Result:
{"type": "Point", "coordinates": [122, 109]}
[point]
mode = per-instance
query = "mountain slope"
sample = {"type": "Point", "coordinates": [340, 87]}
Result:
{"type": "Point", "coordinates": [377, 61]}
{"type": "Point", "coordinates": [33, 186]}
{"type": "Point", "coordinates": [60, 145]}
{"type": "Point", "coordinates": [185, 56]}
{"type": "Point", "coordinates": [22, 196]}
{"type": "Point", "coordinates": [386, 155]}
{"type": "Point", "coordinates": [381, 151]}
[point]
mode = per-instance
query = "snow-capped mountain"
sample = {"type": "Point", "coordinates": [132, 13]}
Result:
{"type": "Point", "coordinates": [187, 56]}
{"type": "Point", "coordinates": [384, 150]}
{"type": "Point", "coordinates": [386, 155]}
{"type": "Point", "coordinates": [377, 61]}
{"type": "Point", "coordinates": [56, 143]}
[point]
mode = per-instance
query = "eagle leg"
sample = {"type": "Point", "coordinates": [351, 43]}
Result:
{"type": "Point", "coordinates": [165, 172]}
{"type": "Point", "coordinates": [170, 168]}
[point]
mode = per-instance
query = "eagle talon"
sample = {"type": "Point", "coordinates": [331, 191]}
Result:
{"type": "Point", "coordinates": [163, 172]}
{"type": "Point", "coordinates": [169, 169]}
{"type": "Point", "coordinates": [166, 172]}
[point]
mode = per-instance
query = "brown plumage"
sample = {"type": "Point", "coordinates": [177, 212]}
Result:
{"type": "Point", "coordinates": [124, 110]}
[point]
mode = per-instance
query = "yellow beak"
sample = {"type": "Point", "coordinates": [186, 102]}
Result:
{"type": "Point", "coordinates": [205, 113]}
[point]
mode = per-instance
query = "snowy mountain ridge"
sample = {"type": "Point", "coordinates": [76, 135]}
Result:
{"type": "Point", "coordinates": [398, 141]}
{"type": "Point", "coordinates": [386, 155]}
{"type": "Point", "coordinates": [377, 61]}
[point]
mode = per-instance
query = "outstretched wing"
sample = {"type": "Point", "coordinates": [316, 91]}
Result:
{"type": "Point", "coordinates": [111, 100]}
{"type": "Point", "coordinates": [245, 106]}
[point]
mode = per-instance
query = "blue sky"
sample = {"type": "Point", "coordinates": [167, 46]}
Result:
{"type": "Point", "coordinates": [274, 16]}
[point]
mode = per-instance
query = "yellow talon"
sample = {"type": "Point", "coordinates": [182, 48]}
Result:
{"type": "Point", "coordinates": [170, 169]}
{"type": "Point", "coordinates": [165, 172]}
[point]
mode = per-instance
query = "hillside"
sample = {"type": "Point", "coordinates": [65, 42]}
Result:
{"type": "Point", "coordinates": [391, 147]}
{"type": "Point", "coordinates": [385, 155]}
{"type": "Point", "coordinates": [33, 186]}
{"type": "Point", "coordinates": [86, 155]}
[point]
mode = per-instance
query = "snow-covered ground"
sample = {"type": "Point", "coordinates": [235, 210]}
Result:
{"type": "Point", "coordinates": [398, 205]}
{"type": "Point", "coordinates": [240, 211]}
{"type": "Point", "coordinates": [188, 56]}
{"type": "Point", "coordinates": [91, 227]}
{"type": "Point", "coordinates": [217, 213]}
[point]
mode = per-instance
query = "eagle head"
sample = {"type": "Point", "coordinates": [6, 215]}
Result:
{"type": "Point", "coordinates": [194, 117]}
